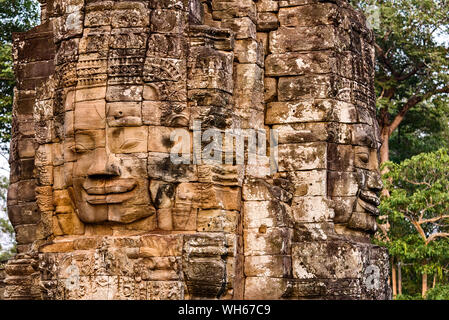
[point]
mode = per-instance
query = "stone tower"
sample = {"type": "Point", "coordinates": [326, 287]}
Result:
{"type": "Point", "coordinates": [101, 210]}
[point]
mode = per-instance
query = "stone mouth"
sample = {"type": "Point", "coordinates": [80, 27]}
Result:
{"type": "Point", "coordinates": [369, 201]}
{"type": "Point", "coordinates": [109, 192]}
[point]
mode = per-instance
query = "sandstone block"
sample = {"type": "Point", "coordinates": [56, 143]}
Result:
{"type": "Point", "coordinates": [215, 220]}
{"type": "Point", "coordinates": [267, 214]}
{"type": "Point", "coordinates": [268, 266]}
{"type": "Point", "coordinates": [302, 132]}
{"type": "Point", "coordinates": [167, 21]}
{"type": "Point", "coordinates": [270, 89]}
{"type": "Point", "coordinates": [249, 51]}
{"type": "Point", "coordinates": [267, 21]}
{"type": "Point", "coordinates": [314, 87]}
{"type": "Point", "coordinates": [25, 233]}
{"type": "Point", "coordinates": [128, 139]}
{"type": "Point", "coordinates": [343, 184]}
{"type": "Point", "coordinates": [90, 115]}
{"type": "Point", "coordinates": [259, 190]}
{"type": "Point", "coordinates": [340, 157]}
{"type": "Point", "coordinates": [312, 209]}
{"type": "Point", "coordinates": [93, 93]}
{"type": "Point", "coordinates": [243, 27]}
{"type": "Point", "coordinates": [293, 39]}
{"type": "Point", "coordinates": [159, 140]}
{"type": "Point", "coordinates": [297, 63]}
{"type": "Point", "coordinates": [249, 91]}
{"type": "Point", "coordinates": [264, 241]}
{"type": "Point", "coordinates": [261, 288]}
{"type": "Point", "coordinates": [324, 260]}
{"type": "Point", "coordinates": [23, 214]}
{"type": "Point", "coordinates": [302, 111]}
{"type": "Point", "coordinates": [162, 168]}
{"type": "Point", "coordinates": [308, 183]}
{"type": "Point", "coordinates": [165, 290]}
{"type": "Point", "coordinates": [309, 15]}
{"type": "Point", "coordinates": [161, 245]}
{"type": "Point", "coordinates": [26, 148]}
{"type": "Point", "coordinates": [267, 6]}
{"type": "Point", "coordinates": [214, 197]}
{"type": "Point", "coordinates": [124, 93]}
{"type": "Point", "coordinates": [124, 114]}
{"type": "Point", "coordinates": [304, 156]}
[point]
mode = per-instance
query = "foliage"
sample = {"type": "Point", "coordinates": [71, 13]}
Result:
{"type": "Point", "coordinates": [440, 292]}
{"type": "Point", "coordinates": [412, 78]}
{"type": "Point", "coordinates": [6, 229]}
{"type": "Point", "coordinates": [420, 133]}
{"type": "Point", "coordinates": [15, 16]}
{"type": "Point", "coordinates": [419, 194]}
{"type": "Point", "coordinates": [6, 92]}
{"type": "Point", "coordinates": [408, 297]}
{"type": "Point", "coordinates": [418, 213]}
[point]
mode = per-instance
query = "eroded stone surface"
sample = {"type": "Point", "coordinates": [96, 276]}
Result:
{"type": "Point", "coordinates": [101, 212]}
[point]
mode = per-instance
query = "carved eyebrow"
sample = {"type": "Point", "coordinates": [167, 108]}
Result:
{"type": "Point", "coordinates": [365, 140]}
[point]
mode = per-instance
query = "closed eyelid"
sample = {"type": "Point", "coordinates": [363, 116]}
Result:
{"type": "Point", "coordinates": [130, 143]}
{"type": "Point", "coordinates": [84, 142]}
{"type": "Point", "coordinates": [79, 147]}
{"type": "Point", "coordinates": [363, 155]}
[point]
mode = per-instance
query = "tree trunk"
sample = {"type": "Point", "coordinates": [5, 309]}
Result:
{"type": "Point", "coordinates": [385, 148]}
{"type": "Point", "coordinates": [393, 279]}
{"type": "Point", "coordinates": [424, 285]}
{"type": "Point", "coordinates": [385, 153]}
{"type": "Point", "coordinates": [434, 280]}
{"type": "Point", "coordinates": [399, 278]}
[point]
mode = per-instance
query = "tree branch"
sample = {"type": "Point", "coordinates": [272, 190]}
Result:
{"type": "Point", "coordinates": [433, 219]}
{"type": "Point", "coordinates": [437, 235]}
{"type": "Point", "coordinates": [413, 101]}
{"type": "Point", "coordinates": [406, 76]}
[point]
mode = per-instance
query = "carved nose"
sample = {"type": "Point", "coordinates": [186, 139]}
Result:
{"type": "Point", "coordinates": [103, 165]}
{"type": "Point", "coordinates": [374, 182]}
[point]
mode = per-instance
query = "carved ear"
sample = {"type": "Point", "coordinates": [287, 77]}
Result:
{"type": "Point", "coordinates": [162, 194]}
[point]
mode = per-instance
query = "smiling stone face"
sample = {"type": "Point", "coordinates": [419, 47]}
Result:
{"type": "Point", "coordinates": [110, 174]}
{"type": "Point", "coordinates": [106, 212]}
{"type": "Point", "coordinates": [355, 186]}
{"type": "Point", "coordinates": [369, 182]}
{"type": "Point", "coordinates": [110, 179]}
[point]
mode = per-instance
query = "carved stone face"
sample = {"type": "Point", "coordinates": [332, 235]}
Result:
{"type": "Point", "coordinates": [368, 179]}
{"type": "Point", "coordinates": [110, 178]}
{"type": "Point", "coordinates": [355, 182]}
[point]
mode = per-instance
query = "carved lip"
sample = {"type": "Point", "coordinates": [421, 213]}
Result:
{"type": "Point", "coordinates": [109, 192]}
{"type": "Point", "coordinates": [369, 201]}
{"type": "Point", "coordinates": [108, 199]}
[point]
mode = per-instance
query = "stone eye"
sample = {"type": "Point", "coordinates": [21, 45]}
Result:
{"type": "Point", "coordinates": [130, 143]}
{"type": "Point", "coordinates": [364, 157]}
{"type": "Point", "coordinates": [79, 148]}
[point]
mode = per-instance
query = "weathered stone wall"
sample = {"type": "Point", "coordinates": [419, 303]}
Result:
{"type": "Point", "coordinates": [101, 212]}
{"type": "Point", "coordinates": [2, 281]}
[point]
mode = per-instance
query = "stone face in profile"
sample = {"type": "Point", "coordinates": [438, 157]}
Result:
{"type": "Point", "coordinates": [102, 211]}
{"type": "Point", "coordinates": [355, 182]}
